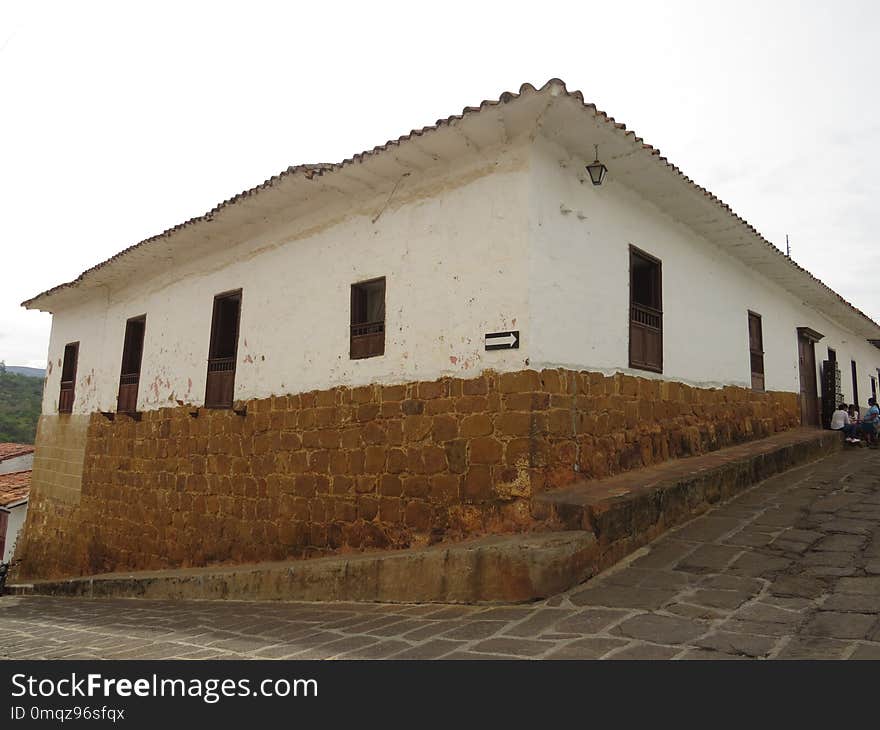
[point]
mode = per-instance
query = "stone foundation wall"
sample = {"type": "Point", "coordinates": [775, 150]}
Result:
{"type": "Point", "coordinates": [376, 467]}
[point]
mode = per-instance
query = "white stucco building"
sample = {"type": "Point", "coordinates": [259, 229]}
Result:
{"type": "Point", "coordinates": [484, 222]}
{"type": "Point", "coordinates": [494, 301]}
{"type": "Point", "coordinates": [14, 489]}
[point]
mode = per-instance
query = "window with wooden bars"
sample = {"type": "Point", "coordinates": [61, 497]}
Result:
{"type": "Point", "coordinates": [756, 351]}
{"type": "Point", "coordinates": [68, 378]}
{"type": "Point", "coordinates": [130, 374]}
{"type": "Point", "coordinates": [367, 337]}
{"type": "Point", "coordinates": [645, 311]}
{"type": "Point", "coordinates": [220, 386]}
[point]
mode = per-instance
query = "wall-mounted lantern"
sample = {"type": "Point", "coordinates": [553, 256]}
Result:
{"type": "Point", "coordinates": [597, 170]}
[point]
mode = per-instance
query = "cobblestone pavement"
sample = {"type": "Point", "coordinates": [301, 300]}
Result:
{"type": "Point", "coordinates": [789, 570]}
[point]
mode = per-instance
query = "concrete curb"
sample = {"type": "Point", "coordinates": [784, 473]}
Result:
{"type": "Point", "coordinates": [507, 568]}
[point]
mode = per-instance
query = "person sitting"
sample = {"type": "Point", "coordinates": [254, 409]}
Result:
{"type": "Point", "coordinates": [840, 421]}
{"type": "Point", "coordinates": [870, 422]}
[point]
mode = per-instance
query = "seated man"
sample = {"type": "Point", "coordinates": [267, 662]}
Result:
{"type": "Point", "coordinates": [870, 422]}
{"type": "Point", "coordinates": [840, 421]}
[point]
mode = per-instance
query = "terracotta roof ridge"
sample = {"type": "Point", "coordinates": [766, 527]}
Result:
{"type": "Point", "coordinates": [22, 450]}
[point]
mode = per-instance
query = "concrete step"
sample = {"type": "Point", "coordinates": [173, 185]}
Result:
{"type": "Point", "coordinates": [501, 568]}
{"type": "Point", "coordinates": [629, 510]}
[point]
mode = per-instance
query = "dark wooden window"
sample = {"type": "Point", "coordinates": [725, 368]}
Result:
{"type": "Point", "coordinates": [832, 355]}
{"type": "Point", "coordinates": [367, 319]}
{"type": "Point", "coordinates": [68, 378]}
{"type": "Point", "coordinates": [645, 311]}
{"type": "Point", "coordinates": [855, 381]}
{"type": "Point", "coordinates": [4, 525]}
{"type": "Point", "coordinates": [130, 375]}
{"type": "Point", "coordinates": [223, 350]}
{"type": "Point", "coordinates": [756, 351]}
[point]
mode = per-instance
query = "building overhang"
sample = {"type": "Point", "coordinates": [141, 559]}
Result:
{"type": "Point", "coordinates": [553, 112]}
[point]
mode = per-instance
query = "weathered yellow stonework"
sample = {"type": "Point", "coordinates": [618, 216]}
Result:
{"type": "Point", "coordinates": [374, 467]}
{"type": "Point", "coordinates": [58, 462]}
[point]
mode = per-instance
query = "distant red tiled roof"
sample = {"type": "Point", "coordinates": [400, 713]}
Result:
{"type": "Point", "coordinates": [14, 487]}
{"type": "Point", "coordinates": [8, 451]}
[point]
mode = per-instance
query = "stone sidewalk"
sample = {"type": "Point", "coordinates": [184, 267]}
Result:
{"type": "Point", "coordinates": [789, 569]}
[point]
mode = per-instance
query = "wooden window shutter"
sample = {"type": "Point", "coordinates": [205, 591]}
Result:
{"type": "Point", "coordinates": [223, 350]}
{"type": "Point", "coordinates": [132, 354]}
{"type": "Point", "coordinates": [68, 378]}
{"type": "Point", "coordinates": [756, 351]}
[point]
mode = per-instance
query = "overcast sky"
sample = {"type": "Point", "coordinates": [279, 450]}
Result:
{"type": "Point", "coordinates": [119, 120]}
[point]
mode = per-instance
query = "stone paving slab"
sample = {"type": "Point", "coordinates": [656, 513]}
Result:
{"type": "Point", "coordinates": [701, 592]}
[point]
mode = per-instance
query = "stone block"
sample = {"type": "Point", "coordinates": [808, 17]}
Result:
{"type": "Point", "coordinates": [392, 393]}
{"type": "Point", "coordinates": [515, 424]}
{"type": "Point", "coordinates": [390, 485]}
{"type": "Point", "coordinates": [413, 407]}
{"type": "Point", "coordinates": [444, 488]}
{"type": "Point", "coordinates": [476, 386]}
{"type": "Point", "coordinates": [456, 455]}
{"type": "Point", "coordinates": [472, 404]}
{"type": "Point", "coordinates": [390, 510]}
{"type": "Point", "coordinates": [477, 484]}
{"type": "Point", "coordinates": [519, 382]}
{"type": "Point", "coordinates": [435, 389]}
{"type": "Point", "coordinates": [416, 428]}
{"type": "Point", "coordinates": [485, 451]}
{"type": "Point", "coordinates": [417, 515]}
{"type": "Point", "coordinates": [475, 425]}
{"type": "Point", "coordinates": [415, 486]}
{"type": "Point", "coordinates": [444, 428]}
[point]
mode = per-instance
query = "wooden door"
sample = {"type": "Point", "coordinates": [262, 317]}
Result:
{"type": "Point", "coordinates": [807, 369]}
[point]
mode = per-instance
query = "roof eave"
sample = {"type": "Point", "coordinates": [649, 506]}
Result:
{"type": "Point", "coordinates": [553, 88]}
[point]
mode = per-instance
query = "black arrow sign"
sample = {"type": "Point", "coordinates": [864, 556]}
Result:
{"type": "Point", "coordinates": [502, 340]}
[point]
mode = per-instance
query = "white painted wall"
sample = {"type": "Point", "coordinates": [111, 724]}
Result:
{"type": "Point", "coordinates": [579, 290]}
{"type": "Point", "coordinates": [453, 249]}
{"type": "Point", "coordinates": [509, 239]}
{"type": "Point", "coordinates": [13, 528]}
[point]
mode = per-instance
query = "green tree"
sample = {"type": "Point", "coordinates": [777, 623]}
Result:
{"type": "Point", "coordinates": [20, 404]}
